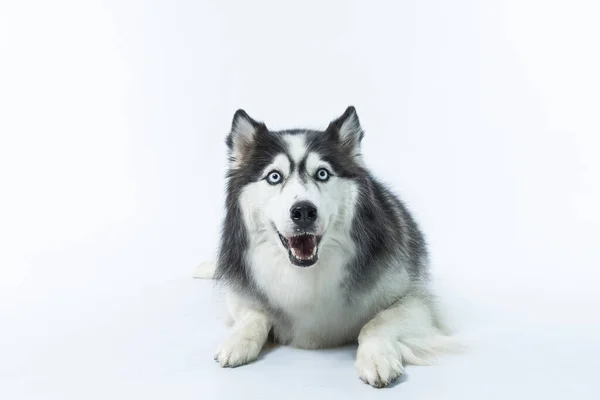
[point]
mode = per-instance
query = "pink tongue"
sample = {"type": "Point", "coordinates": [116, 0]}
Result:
{"type": "Point", "coordinates": [303, 245]}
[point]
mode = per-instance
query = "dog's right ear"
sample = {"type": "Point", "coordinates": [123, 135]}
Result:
{"type": "Point", "coordinates": [241, 138]}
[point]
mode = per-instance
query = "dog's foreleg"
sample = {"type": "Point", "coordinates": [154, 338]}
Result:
{"type": "Point", "coordinates": [392, 337]}
{"type": "Point", "coordinates": [250, 332]}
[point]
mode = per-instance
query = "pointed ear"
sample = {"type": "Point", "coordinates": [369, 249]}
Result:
{"type": "Point", "coordinates": [242, 136]}
{"type": "Point", "coordinates": [347, 130]}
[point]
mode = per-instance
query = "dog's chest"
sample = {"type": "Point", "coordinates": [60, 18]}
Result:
{"type": "Point", "coordinates": [315, 305]}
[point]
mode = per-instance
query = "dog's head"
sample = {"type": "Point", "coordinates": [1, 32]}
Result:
{"type": "Point", "coordinates": [295, 188]}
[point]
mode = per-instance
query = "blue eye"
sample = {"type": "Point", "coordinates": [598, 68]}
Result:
{"type": "Point", "coordinates": [274, 177]}
{"type": "Point", "coordinates": [322, 175]}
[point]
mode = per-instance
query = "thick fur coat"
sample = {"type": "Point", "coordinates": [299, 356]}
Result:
{"type": "Point", "coordinates": [317, 252]}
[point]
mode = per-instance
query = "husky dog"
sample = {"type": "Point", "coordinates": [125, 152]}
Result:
{"type": "Point", "coordinates": [318, 253]}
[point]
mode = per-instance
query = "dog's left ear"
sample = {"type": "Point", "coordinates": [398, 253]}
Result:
{"type": "Point", "coordinates": [347, 130]}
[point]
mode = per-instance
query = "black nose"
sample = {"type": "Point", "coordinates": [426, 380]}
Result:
{"type": "Point", "coordinates": [304, 214]}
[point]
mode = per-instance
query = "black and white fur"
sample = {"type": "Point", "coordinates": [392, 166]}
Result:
{"type": "Point", "coordinates": [367, 281]}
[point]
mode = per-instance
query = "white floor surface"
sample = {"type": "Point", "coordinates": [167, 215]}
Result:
{"type": "Point", "coordinates": [125, 326]}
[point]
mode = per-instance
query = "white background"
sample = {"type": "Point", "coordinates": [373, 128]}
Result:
{"type": "Point", "coordinates": [482, 115]}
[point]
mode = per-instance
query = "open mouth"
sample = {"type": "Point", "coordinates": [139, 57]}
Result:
{"type": "Point", "coordinates": [302, 248]}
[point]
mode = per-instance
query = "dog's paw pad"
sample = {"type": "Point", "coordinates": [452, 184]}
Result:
{"type": "Point", "coordinates": [378, 364]}
{"type": "Point", "coordinates": [238, 350]}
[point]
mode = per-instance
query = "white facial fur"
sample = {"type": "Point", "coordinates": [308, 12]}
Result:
{"type": "Point", "coordinates": [265, 205]}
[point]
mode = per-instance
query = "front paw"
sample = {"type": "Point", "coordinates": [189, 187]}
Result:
{"type": "Point", "coordinates": [239, 349]}
{"type": "Point", "coordinates": [379, 362]}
